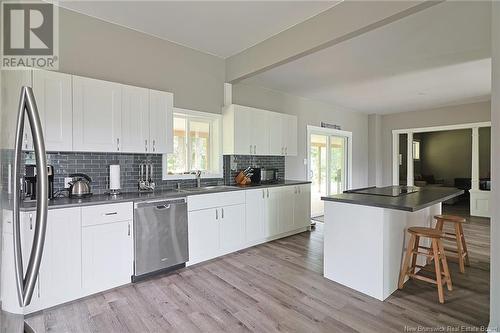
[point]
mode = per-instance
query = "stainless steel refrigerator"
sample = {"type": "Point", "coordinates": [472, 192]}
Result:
{"type": "Point", "coordinates": [18, 115]}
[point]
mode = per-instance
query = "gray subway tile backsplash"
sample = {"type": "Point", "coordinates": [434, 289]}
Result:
{"type": "Point", "coordinates": [96, 166]}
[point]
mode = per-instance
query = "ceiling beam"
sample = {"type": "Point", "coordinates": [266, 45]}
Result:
{"type": "Point", "coordinates": [344, 21]}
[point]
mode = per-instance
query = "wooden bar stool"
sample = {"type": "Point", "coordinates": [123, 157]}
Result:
{"type": "Point", "coordinates": [460, 253]}
{"type": "Point", "coordinates": [436, 251]}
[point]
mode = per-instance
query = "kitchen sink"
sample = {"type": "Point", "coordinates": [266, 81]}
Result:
{"type": "Point", "coordinates": [210, 188]}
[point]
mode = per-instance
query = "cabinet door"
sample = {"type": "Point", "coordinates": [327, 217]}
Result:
{"type": "Point", "coordinates": [203, 235]}
{"type": "Point", "coordinates": [302, 206]}
{"type": "Point", "coordinates": [96, 115]}
{"type": "Point", "coordinates": [243, 144]}
{"type": "Point", "coordinates": [27, 236]}
{"type": "Point", "coordinates": [107, 256]}
{"type": "Point", "coordinates": [12, 82]}
{"type": "Point", "coordinates": [271, 212]}
{"type": "Point", "coordinates": [276, 133]}
{"type": "Point", "coordinates": [59, 278]}
{"type": "Point", "coordinates": [135, 120]}
{"type": "Point", "coordinates": [260, 132]}
{"type": "Point", "coordinates": [286, 201]}
{"type": "Point", "coordinates": [254, 222]}
{"type": "Point", "coordinates": [60, 272]}
{"type": "Point", "coordinates": [52, 92]}
{"type": "Point", "coordinates": [231, 228]}
{"type": "Point", "coordinates": [161, 109]}
{"type": "Point", "coordinates": [290, 135]}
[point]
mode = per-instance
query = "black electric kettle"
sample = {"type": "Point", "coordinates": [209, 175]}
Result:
{"type": "Point", "coordinates": [79, 187]}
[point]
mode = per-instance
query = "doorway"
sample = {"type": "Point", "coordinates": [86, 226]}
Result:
{"type": "Point", "coordinates": [329, 153]}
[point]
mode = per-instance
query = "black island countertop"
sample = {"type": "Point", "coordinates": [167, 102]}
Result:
{"type": "Point", "coordinates": [101, 199]}
{"type": "Point", "coordinates": [411, 202]}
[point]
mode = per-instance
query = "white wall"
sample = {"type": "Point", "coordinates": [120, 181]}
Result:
{"type": "Point", "coordinates": [495, 171]}
{"type": "Point", "coordinates": [98, 49]}
{"type": "Point", "coordinates": [451, 115]}
{"type": "Point", "coordinates": [375, 161]}
{"type": "Point", "coordinates": [311, 112]}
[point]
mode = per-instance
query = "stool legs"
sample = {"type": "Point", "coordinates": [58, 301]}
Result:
{"type": "Point", "coordinates": [460, 251]}
{"type": "Point", "coordinates": [464, 245]}
{"type": "Point", "coordinates": [444, 262]}
{"type": "Point", "coordinates": [437, 266]}
{"type": "Point", "coordinates": [409, 254]}
{"type": "Point", "coordinates": [436, 252]}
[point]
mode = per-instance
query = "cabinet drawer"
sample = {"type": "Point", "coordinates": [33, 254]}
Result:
{"type": "Point", "coordinates": [211, 200]}
{"type": "Point", "coordinates": [102, 214]}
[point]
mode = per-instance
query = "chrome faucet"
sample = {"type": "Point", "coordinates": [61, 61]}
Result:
{"type": "Point", "coordinates": [198, 178]}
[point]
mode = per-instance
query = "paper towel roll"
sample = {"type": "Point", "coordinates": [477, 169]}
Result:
{"type": "Point", "coordinates": [114, 177]}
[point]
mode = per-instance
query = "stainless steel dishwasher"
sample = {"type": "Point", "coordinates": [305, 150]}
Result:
{"type": "Point", "coordinates": [160, 236]}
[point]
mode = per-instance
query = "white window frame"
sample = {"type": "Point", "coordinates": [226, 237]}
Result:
{"type": "Point", "coordinates": [348, 160]}
{"type": "Point", "coordinates": [215, 145]}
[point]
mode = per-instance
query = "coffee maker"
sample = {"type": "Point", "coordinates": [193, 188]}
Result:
{"type": "Point", "coordinates": [30, 179]}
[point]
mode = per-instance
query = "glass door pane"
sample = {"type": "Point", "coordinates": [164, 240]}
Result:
{"type": "Point", "coordinates": [318, 169]}
{"type": "Point", "coordinates": [337, 164]}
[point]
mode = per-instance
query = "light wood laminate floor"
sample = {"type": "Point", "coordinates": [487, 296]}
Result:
{"type": "Point", "coordinates": [277, 287]}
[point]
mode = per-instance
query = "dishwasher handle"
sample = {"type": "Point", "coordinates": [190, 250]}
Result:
{"type": "Point", "coordinates": [160, 203]}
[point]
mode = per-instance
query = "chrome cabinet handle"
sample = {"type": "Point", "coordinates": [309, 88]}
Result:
{"type": "Point", "coordinates": [112, 213]}
{"type": "Point", "coordinates": [26, 283]}
{"type": "Point", "coordinates": [216, 214]}
{"type": "Point", "coordinates": [31, 221]}
{"type": "Point", "coordinates": [118, 144]}
{"type": "Point", "coordinates": [128, 231]}
{"type": "Point", "coordinates": [263, 194]}
{"type": "Point", "coordinates": [146, 145]}
{"type": "Point", "coordinates": [154, 145]}
{"type": "Point", "coordinates": [286, 150]}
{"type": "Point", "coordinates": [250, 149]}
{"type": "Point", "coordinates": [255, 149]}
{"type": "Point", "coordinates": [268, 193]}
{"type": "Point", "coordinates": [222, 210]}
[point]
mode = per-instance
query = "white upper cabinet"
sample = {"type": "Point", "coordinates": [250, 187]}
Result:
{"type": "Point", "coordinates": [52, 92]}
{"type": "Point", "coordinates": [96, 115]}
{"type": "Point", "coordinates": [282, 134]}
{"type": "Point", "coordinates": [246, 130]}
{"type": "Point", "coordinates": [135, 120]}
{"type": "Point", "coordinates": [251, 131]}
{"type": "Point", "coordinates": [161, 108]}
{"type": "Point", "coordinates": [12, 82]}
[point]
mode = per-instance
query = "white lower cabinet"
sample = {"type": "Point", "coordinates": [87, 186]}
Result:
{"type": "Point", "coordinates": [231, 228]}
{"type": "Point", "coordinates": [59, 279]}
{"type": "Point", "coordinates": [254, 224]}
{"type": "Point", "coordinates": [215, 231]}
{"type": "Point", "coordinates": [203, 235]}
{"type": "Point", "coordinates": [302, 206]}
{"type": "Point", "coordinates": [107, 246]}
{"type": "Point", "coordinates": [107, 258]}
{"type": "Point", "coordinates": [285, 206]}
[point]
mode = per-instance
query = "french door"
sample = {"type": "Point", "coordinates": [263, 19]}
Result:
{"type": "Point", "coordinates": [328, 164]}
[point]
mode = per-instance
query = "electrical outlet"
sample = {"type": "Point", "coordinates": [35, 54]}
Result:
{"type": "Point", "coordinates": [67, 180]}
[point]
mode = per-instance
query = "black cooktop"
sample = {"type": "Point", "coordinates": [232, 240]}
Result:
{"type": "Point", "coordinates": [389, 191]}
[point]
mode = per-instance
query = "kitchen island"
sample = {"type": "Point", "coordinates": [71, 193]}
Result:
{"type": "Point", "coordinates": [365, 233]}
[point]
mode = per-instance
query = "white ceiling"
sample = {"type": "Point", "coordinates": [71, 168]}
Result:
{"type": "Point", "coordinates": [438, 57]}
{"type": "Point", "coordinates": [221, 28]}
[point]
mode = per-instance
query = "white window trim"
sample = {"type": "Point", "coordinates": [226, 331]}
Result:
{"type": "Point", "coordinates": [216, 147]}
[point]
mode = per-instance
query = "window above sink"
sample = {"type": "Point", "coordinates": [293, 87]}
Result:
{"type": "Point", "coordinates": [197, 146]}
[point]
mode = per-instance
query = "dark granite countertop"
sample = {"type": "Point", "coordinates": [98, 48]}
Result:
{"type": "Point", "coordinates": [425, 197]}
{"type": "Point", "coordinates": [65, 202]}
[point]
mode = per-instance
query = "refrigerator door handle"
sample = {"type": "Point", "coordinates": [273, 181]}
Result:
{"type": "Point", "coordinates": [26, 284]}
